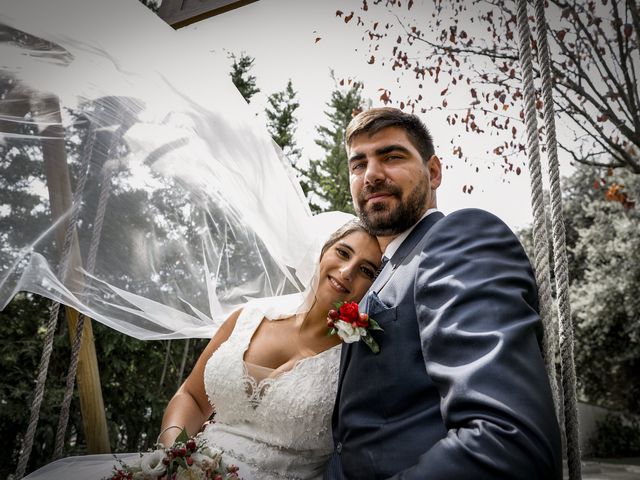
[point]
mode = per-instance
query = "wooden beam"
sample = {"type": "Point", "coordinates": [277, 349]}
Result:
{"type": "Point", "coordinates": [180, 13]}
{"type": "Point", "coordinates": [46, 110]}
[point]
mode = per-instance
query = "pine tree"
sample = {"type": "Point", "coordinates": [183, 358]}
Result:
{"type": "Point", "coordinates": [281, 121]}
{"type": "Point", "coordinates": [328, 178]}
{"type": "Point", "coordinates": [240, 76]}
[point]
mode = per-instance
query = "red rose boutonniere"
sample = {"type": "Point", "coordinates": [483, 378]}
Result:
{"type": "Point", "coordinates": [351, 325]}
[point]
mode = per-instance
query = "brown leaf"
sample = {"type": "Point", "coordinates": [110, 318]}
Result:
{"type": "Point", "coordinates": [410, 5]}
{"type": "Point", "coordinates": [371, 60]}
{"type": "Point", "coordinates": [561, 34]}
{"type": "Point", "coordinates": [628, 30]}
{"type": "Point", "coordinates": [365, 7]}
{"type": "Point", "coordinates": [444, 92]}
{"type": "Point", "coordinates": [339, 13]}
{"type": "Point", "coordinates": [317, 39]}
{"type": "Point", "coordinates": [348, 18]}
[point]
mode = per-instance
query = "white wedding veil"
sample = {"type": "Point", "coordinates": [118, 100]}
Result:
{"type": "Point", "coordinates": [181, 205]}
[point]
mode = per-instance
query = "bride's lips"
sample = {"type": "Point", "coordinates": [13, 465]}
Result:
{"type": "Point", "coordinates": [337, 286]}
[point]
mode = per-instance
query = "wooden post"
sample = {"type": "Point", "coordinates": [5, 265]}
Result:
{"type": "Point", "coordinates": [46, 110]}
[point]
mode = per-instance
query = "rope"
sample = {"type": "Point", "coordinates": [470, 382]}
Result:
{"type": "Point", "coordinates": [540, 240]}
{"type": "Point", "coordinates": [96, 234]}
{"type": "Point", "coordinates": [27, 444]}
{"type": "Point", "coordinates": [561, 265]}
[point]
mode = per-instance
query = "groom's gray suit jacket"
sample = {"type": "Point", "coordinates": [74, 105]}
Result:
{"type": "Point", "coordinates": [459, 389]}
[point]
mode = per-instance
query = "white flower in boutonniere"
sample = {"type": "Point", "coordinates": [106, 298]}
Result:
{"type": "Point", "coordinates": [351, 325]}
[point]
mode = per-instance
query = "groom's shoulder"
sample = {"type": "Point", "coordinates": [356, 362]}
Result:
{"type": "Point", "coordinates": [471, 223]}
{"type": "Point", "coordinates": [474, 221]}
{"type": "Point", "coordinates": [472, 213]}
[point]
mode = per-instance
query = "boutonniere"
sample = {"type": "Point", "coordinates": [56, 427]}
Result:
{"type": "Point", "coordinates": [352, 326]}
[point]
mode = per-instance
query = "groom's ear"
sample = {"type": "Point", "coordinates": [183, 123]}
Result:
{"type": "Point", "coordinates": [435, 171]}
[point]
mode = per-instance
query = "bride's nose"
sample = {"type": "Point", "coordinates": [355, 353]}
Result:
{"type": "Point", "coordinates": [346, 271]}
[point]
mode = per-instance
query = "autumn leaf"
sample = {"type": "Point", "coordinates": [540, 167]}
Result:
{"type": "Point", "coordinates": [365, 7]}
{"type": "Point", "coordinates": [371, 60]}
{"type": "Point", "coordinates": [317, 39]}
{"type": "Point", "coordinates": [339, 13]}
{"type": "Point", "coordinates": [410, 5]}
{"type": "Point", "coordinates": [561, 34]}
{"type": "Point", "coordinates": [628, 30]}
{"type": "Point", "coordinates": [348, 18]}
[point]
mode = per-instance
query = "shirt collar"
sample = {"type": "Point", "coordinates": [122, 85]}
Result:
{"type": "Point", "coordinates": [396, 242]}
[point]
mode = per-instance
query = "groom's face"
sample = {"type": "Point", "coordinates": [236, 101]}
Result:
{"type": "Point", "coordinates": [391, 185]}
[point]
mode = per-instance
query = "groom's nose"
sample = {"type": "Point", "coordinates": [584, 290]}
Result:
{"type": "Point", "coordinates": [374, 172]}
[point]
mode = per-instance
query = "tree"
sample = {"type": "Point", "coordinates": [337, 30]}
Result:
{"type": "Point", "coordinates": [602, 242]}
{"type": "Point", "coordinates": [471, 48]}
{"type": "Point", "coordinates": [281, 121]}
{"type": "Point", "coordinates": [327, 186]}
{"type": "Point", "coordinates": [241, 77]}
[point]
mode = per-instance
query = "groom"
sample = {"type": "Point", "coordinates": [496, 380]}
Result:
{"type": "Point", "coordinates": [459, 389]}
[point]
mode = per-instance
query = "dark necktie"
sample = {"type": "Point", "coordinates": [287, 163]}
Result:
{"type": "Point", "coordinates": [385, 260]}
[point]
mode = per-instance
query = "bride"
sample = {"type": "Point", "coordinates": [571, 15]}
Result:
{"type": "Point", "coordinates": [271, 375]}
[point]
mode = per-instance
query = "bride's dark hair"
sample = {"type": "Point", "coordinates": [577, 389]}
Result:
{"type": "Point", "coordinates": [351, 226]}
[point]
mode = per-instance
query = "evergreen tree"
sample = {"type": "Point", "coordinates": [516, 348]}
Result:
{"type": "Point", "coordinates": [240, 76]}
{"type": "Point", "coordinates": [328, 178]}
{"type": "Point", "coordinates": [281, 121]}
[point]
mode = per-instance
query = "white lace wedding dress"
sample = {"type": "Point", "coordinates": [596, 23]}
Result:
{"type": "Point", "coordinates": [274, 428]}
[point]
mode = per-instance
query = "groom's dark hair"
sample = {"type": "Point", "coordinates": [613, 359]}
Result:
{"type": "Point", "coordinates": [373, 120]}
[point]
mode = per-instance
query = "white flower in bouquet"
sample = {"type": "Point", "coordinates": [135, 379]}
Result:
{"type": "Point", "coordinates": [151, 463]}
{"type": "Point", "coordinates": [205, 460]}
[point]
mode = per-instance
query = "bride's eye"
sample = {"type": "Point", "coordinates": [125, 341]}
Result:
{"type": "Point", "coordinates": [368, 272]}
{"type": "Point", "coordinates": [342, 253]}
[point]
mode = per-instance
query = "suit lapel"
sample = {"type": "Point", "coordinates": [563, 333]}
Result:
{"type": "Point", "coordinates": [385, 275]}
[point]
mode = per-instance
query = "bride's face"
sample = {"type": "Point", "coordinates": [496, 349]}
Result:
{"type": "Point", "coordinates": [347, 268]}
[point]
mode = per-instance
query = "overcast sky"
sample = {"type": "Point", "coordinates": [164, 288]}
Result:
{"type": "Point", "coordinates": [281, 35]}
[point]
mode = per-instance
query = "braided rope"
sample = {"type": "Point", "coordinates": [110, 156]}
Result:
{"type": "Point", "coordinates": [96, 234]}
{"type": "Point", "coordinates": [540, 240]}
{"type": "Point", "coordinates": [27, 444]}
{"type": "Point", "coordinates": [561, 266]}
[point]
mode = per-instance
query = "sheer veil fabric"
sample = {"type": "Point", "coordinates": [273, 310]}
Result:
{"type": "Point", "coordinates": [106, 117]}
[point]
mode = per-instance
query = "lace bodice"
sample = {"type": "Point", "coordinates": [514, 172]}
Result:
{"type": "Point", "coordinates": [280, 426]}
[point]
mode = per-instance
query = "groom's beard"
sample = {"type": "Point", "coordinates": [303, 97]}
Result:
{"type": "Point", "coordinates": [382, 220]}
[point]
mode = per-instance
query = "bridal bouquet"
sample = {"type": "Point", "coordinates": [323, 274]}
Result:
{"type": "Point", "coordinates": [187, 459]}
{"type": "Point", "coordinates": [352, 326]}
